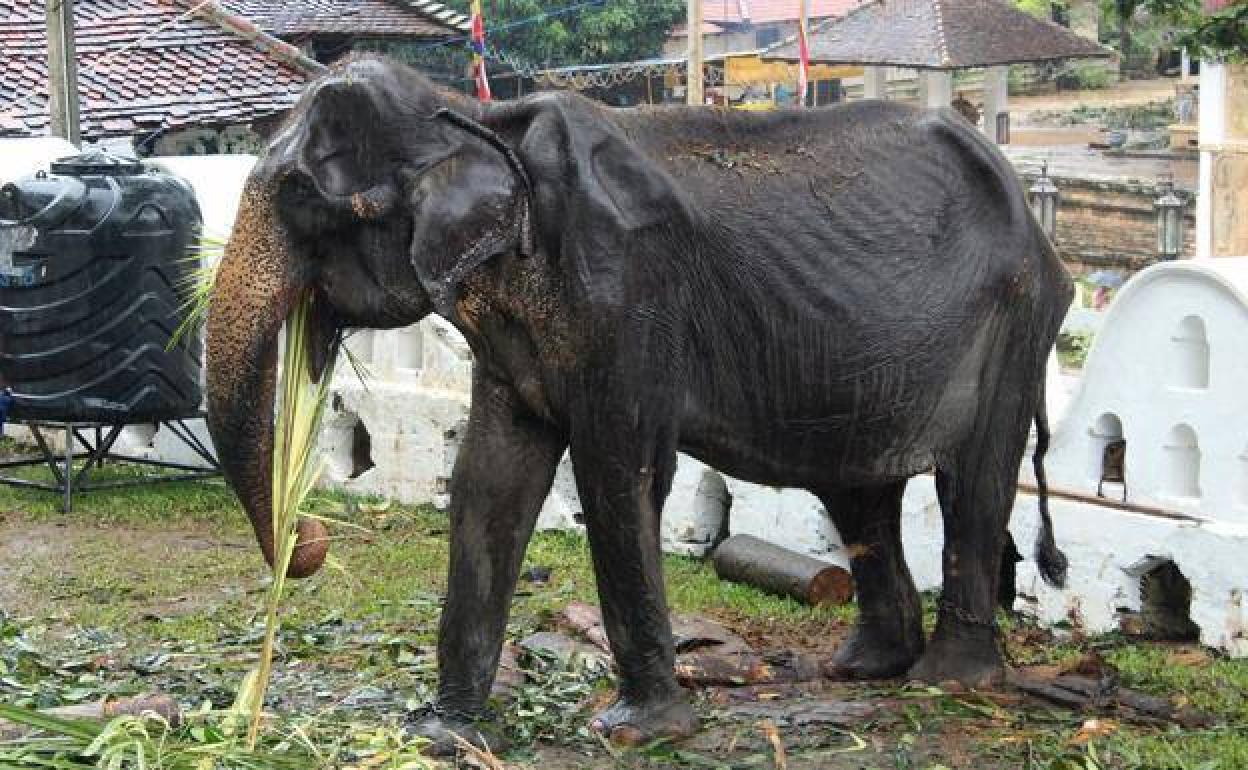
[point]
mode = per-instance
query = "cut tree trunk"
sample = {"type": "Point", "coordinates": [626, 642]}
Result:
{"type": "Point", "coordinates": [771, 568]}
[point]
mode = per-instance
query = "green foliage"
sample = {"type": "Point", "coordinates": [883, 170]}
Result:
{"type": "Point", "coordinates": [620, 30]}
{"type": "Point", "coordinates": [1073, 347]}
{"type": "Point", "coordinates": [1087, 75]}
{"type": "Point", "coordinates": [1041, 9]}
{"type": "Point", "coordinates": [209, 740]}
{"type": "Point", "coordinates": [1206, 36]}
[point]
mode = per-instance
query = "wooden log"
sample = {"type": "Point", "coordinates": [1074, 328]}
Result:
{"type": "Point", "coordinates": [105, 710]}
{"type": "Point", "coordinates": [771, 568]}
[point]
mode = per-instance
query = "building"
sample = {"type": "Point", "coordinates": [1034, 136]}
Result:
{"type": "Point", "coordinates": [154, 76]}
{"type": "Point", "coordinates": [747, 25]}
{"type": "Point", "coordinates": [326, 30]}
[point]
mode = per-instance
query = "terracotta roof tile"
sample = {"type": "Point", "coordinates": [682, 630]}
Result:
{"type": "Point", "coordinates": [369, 18]}
{"type": "Point", "coordinates": [939, 34]}
{"type": "Point", "coordinates": [767, 11]}
{"type": "Point", "coordinates": [185, 74]}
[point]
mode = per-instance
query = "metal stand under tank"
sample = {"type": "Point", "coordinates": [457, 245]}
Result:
{"type": "Point", "coordinates": [91, 444]}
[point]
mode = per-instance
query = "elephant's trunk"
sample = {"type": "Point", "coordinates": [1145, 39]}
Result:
{"type": "Point", "coordinates": [257, 283]}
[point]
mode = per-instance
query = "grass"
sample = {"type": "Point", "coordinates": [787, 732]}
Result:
{"type": "Point", "coordinates": [122, 556]}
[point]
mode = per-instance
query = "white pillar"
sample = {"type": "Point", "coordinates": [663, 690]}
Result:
{"type": "Point", "coordinates": [1212, 132]}
{"type": "Point", "coordinates": [1222, 209]}
{"type": "Point", "coordinates": [996, 99]}
{"type": "Point", "coordinates": [935, 88]}
{"type": "Point", "coordinates": [874, 83]}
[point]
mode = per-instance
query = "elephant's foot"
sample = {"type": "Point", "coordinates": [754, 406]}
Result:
{"type": "Point", "coordinates": [441, 727]}
{"type": "Point", "coordinates": [868, 653]}
{"type": "Point", "coordinates": [973, 662]}
{"type": "Point", "coordinates": [632, 723]}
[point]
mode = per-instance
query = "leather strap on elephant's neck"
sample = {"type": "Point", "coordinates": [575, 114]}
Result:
{"type": "Point", "coordinates": [443, 290]}
{"type": "Point", "coordinates": [487, 135]}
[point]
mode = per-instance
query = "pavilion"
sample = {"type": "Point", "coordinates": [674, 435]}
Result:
{"type": "Point", "coordinates": [938, 37]}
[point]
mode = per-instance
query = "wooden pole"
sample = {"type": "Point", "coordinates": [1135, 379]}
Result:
{"type": "Point", "coordinates": [804, 31]}
{"type": "Point", "coordinates": [693, 69]}
{"type": "Point", "coordinates": [62, 71]}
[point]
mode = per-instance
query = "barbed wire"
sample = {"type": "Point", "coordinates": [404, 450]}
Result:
{"type": "Point", "coordinates": [608, 76]}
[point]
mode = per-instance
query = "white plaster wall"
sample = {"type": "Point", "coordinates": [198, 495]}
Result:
{"type": "Point", "coordinates": [1135, 372]}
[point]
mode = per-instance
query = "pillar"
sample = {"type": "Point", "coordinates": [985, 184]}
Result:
{"type": "Point", "coordinates": [1222, 205]}
{"type": "Point", "coordinates": [935, 88]}
{"type": "Point", "coordinates": [996, 100]}
{"type": "Point", "coordinates": [874, 82]}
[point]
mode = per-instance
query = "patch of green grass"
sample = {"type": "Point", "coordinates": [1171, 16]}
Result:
{"type": "Point", "coordinates": [126, 557]}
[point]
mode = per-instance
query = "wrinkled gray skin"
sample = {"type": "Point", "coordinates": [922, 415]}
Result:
{"type": "Point", "coordinates": [832, 299]}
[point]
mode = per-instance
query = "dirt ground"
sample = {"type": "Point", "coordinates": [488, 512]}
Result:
{"type": "Point", "coordinates": [1122, 94]}
{"type": "Point", "coordinates": [135, 602]}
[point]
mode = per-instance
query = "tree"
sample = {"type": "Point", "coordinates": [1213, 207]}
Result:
{"type": "Point", "coordinates": [1124, 11]}
{"type": "Point", "coordinates": [593, 33]}
{"type": "Point", "coordinates": [1222, 34]}
{"type": "Point", "coordinates": [1205, 35]}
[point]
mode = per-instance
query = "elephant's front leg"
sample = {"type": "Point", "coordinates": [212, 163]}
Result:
{"type": "Point", "coordinates": [623, 479]}
{"type": "Point", "coordinates": [502, 475]}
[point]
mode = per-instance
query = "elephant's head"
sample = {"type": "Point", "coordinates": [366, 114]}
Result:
{"type": "Point", "coordinates": [379, 197]}
{"type": "Point", "coordinates": [374, 168]}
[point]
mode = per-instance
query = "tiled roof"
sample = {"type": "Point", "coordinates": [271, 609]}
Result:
{"type": "Point", "coordinates": [682, 30]}
{"type": "Point", "coordinates": [939, 34]}
{"type": "Point", "coordinates": [146, 66]}
{"type": "Point", "coordinates": [767, 11]}
{"type": "Point", "coordinates": [370, 18]}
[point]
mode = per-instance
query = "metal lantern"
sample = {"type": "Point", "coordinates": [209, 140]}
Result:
{"type": "Point", "coordinates": [1169, 207]}
{"type": "Point", "coordinates": [1044, 198]}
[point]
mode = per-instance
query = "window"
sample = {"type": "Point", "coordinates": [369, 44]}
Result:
{"type": "Point", "coordinates": [766, 36]}
{"type": "Point", "coordinates": [1181, 459]}
{"type": "Point", "coordinates": [1107, 453]}
{"type": "Point", "coordinates": [1190, 354]}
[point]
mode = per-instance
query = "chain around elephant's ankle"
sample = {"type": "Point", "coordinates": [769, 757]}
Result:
{"type": "Point", "coordinates": [449, 714]}
{"type": "Point", "coordinates": [966, 616]}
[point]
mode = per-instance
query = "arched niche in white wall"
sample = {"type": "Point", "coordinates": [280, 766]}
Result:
{"type": "Point", "coordinates": [409, 348]}
{"type": "Point", "coordinates": [1189, 354]}
{"type": "Point", "coordinates": [1105, 431]}
{"type": "Point", "coordinates": [1180, 472]}
{"type": "Point", "coordinates": [1241, 479]}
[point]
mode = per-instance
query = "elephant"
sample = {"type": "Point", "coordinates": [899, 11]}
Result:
{"type": "Point", "coordinates": [835, 299]}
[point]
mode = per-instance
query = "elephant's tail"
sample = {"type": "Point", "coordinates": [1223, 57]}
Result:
{"type": "Point", "coordinates": [1049, 558]}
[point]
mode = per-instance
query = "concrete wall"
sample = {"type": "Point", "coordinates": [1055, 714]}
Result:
{"type": "Point", "coordinates": [1111, 224]}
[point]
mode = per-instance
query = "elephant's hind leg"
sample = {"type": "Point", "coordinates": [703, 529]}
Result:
{"type": "Point", "coordinates": [976, 492]}
{"type": "Point", "coordinates": [888, 637]}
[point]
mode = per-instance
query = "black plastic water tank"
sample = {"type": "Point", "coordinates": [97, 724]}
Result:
{"type": "Point", "coordinates": [96, 260]}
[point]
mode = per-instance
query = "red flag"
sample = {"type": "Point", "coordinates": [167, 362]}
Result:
{"type": "Point", "coordinates": [478, 52]}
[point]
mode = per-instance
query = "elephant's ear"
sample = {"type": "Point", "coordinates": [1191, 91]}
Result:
{"type": "Point", "coordinates": [600, 201]}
